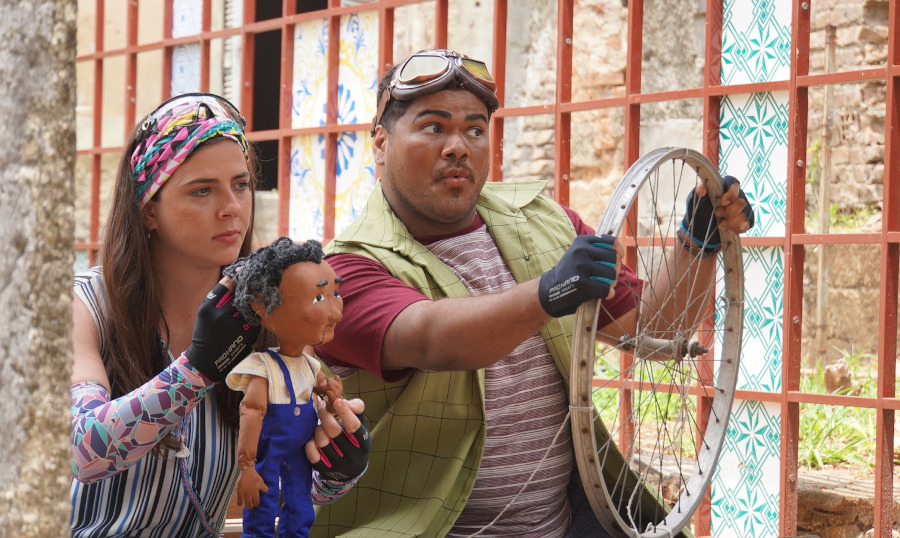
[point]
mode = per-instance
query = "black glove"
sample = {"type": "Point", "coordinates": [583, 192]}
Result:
{"type": "Point", "coordinates": [701, 225]}
{"type": "Point", "coordinates": [586, 271]}
{"type": "Point", "coordinates": [222, 337]}
{"type": "Point", "coordinates": [347, 455]}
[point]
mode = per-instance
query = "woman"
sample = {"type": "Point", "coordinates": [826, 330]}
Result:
{"type": "Point", "coordinates": [154, 436]}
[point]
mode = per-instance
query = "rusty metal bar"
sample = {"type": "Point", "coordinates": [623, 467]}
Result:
{"type": "Point", "coordinates": [97, 131]}
{"type": "Point", "coordinates": [441, 11]}
{"type": "Point", "coordinates": [793, 264]}
{"type": "Point", "coordinates": [248, 46]}
{"type": "Point", "coordinates": [206, 26]}
{"type": "Point", "coordinates": [499, 73]}
{"type": "Point", "coordinates": [887, 301]}
{"type": "Point", "coordinates": [331, 117]}
{"type": "Point", "coordinates": [285, 117]}
{"type": "Point", "coordinates": [131, 32]}
{"type": "Point", "coordinates": [562, 148]}
{"type": "Point", "coordinates": [711, 109]}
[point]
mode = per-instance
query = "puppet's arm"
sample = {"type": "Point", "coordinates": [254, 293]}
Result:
{"type": "Point", "coordinates": [108, 436]}
{"type": "Point", "coordinates": [253, 409]}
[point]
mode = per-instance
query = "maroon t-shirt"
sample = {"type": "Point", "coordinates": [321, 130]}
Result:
{"type": "Point", "coordinates": [373, 298]}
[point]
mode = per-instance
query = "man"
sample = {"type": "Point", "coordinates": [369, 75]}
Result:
{"type": "Point", "coordinates": [457, 296]}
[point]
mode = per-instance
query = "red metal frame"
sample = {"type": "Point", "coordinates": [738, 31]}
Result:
{"type": "Point", "coordinates": [795, 238]}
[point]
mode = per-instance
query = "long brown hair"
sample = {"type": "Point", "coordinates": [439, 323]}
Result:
{"type": "Point", "coordinates": [132, 348]}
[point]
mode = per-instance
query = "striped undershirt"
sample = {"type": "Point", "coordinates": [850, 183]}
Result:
{"type": "Point", "coordinates": [526, 404]}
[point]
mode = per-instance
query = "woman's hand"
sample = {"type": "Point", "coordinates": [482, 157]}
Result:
{"type": "Point", "coordinates": [339, 449]}
{"type": "Point", "coordinates": [222, 337]}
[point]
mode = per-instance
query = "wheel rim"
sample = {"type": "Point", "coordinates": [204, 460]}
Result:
{"type": "Point", "coordinates": [664, 421]}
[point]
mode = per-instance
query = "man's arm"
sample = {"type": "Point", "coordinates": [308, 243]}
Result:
{"type": "Point", "coordinates": [463, 333]}
{"type": "Point", "coordinates": [475, 332]}
{"type": "Point", "coordinates": [672, 298]}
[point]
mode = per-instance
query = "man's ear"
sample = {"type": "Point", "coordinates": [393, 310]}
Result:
{"type": "Point", "coordinates": [379, 144]}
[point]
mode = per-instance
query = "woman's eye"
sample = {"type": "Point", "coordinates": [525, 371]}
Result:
{"type": "Point", "coordinates": [242, 185]}
{"type": "Point", "coordinates": [476, 132]}
{"type": "Point", "coordinates": [201, 192]}
{"type": "Point", "coordinates": [318, 298]}
{"type": "Point", "coordinates": [337, 294]}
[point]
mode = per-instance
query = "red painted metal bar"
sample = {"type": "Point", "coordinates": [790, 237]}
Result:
{"type": "Point", "coordinates": [248, 46]}
{"type": "Point", "coordinates": [385, 40]}
{"type": "Point", "coordinates": [166, 74]}
{"type": "Point", "coordinates": [887, 302]}
{"type": "Point", "coordinates": [793, 264]}
{"type": "Point", "coordinates": [331, 117]}
{"type": "Point", "coordinates": [131, 31]}
{"type": "Point", "coordinates": [631, 154]}
{"type": "Point", "coordinates": [562, 148]}
{"type": "Point", "coordinates": [206, 26]}
{"type": "Point", "coordinates": [285, 107]}
{"type": "Point", "coordinates": [441, 10]}
{"type": "Point", "coordinates": [633, 82]}
{"type": "Point", "coordinates": [499, 74]}
{"type": "Point", "coordinates": [711, 106]}
{"type": "Point", "coordinates": [97, 131]}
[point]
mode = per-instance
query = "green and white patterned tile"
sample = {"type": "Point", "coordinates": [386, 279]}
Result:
{"type": "Point", "coordinates": [756, 41]}
{"type": "Point", "coordinates": [745, 486]}
{"type": "Point", "coordinates": [753, 148]}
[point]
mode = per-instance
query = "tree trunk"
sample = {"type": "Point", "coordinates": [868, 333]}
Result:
{"type": "Point", "coordinates": [37, 155]}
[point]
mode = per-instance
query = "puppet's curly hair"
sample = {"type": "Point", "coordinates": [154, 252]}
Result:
{"type": "Point", "coordinates": [258, 275]}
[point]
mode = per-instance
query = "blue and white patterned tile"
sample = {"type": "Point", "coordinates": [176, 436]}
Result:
{"type": "Point", "coordinates": [358, 77]}
{"type": "Point", "coordinates": [310, 92]}
{"type": "Point", "coordinates": [185, 68]}
{"type": "Point", "coordinates": [358, 70]}
{"type": "Point", "coordinates": [756, 41]}
{"type": "Point", "coordinates": [753, 148]}
{"type": "Point", "coordinates": [306, 219]}
{"type": "Point", "coordinates": [745, 485]}
{"type": "Point", "coordinates": [187, 17]}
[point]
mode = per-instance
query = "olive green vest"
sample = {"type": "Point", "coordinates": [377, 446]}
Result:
{"type": "Point", "coordinates": [428, 430]}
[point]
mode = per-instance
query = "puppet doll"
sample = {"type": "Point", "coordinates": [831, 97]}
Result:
{"type": "Point", "coordinates": [293, 293]}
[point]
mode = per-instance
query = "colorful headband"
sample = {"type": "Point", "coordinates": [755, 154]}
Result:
{"type": "Point", "coordinates": [176, 134]}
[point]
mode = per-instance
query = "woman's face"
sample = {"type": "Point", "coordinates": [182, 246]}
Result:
{"type": "Point", "coordinates": [202, 213]}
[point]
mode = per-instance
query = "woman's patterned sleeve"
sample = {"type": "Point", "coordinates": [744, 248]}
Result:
{"type": "Point", "coordinates": [328, 491]}
{"type": "Point", "coordinates": [109, 436]}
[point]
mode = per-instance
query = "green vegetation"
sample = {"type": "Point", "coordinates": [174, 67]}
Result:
{"type": "Point", "coordinates": [836, 434]}
{"type": "Point", "coordinates": [829, 434]}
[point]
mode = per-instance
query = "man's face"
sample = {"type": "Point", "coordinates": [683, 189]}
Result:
{"type": "Point", "coordinates": [435, 161]}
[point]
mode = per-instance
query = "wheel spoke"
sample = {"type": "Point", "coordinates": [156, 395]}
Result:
{"type": "Point", "coordinates": [663, 394]}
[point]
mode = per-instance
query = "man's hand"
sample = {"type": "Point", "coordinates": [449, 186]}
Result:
{"type": "Point", "coordinates": [339, 451]}
{"type": "Point", "coordinates": [588, 270]}
{"type": "Point", "coordinates": [222, 337]}
{"type": "Point", "coordinates": [701, 223]}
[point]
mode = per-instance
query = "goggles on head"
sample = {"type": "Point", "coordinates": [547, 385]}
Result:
{"type": "Point", "coordinates": [177, 127]}
{"type": "Point", "coordinates": [430, 71]}
{"type": "Point", "coordinates": [204, 105]}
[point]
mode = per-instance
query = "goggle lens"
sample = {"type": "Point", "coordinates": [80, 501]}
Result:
{"type": "Point", "coordinates": [422, 69]}
{"type": "Point", "coordinates": [478, 69]}
{"type": "Point", "coordinates": [214, 106]}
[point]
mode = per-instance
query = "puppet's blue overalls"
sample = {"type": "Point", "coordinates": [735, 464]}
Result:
{"type": "Point", "coordinates": [280, 456]}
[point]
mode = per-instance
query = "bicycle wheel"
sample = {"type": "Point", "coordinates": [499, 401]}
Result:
{"type": "Point", "coordinates": [650, 411]}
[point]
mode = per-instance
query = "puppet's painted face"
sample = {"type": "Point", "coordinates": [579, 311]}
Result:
{"type": "Point", "coordinates": [311, 307]}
